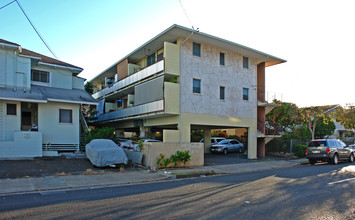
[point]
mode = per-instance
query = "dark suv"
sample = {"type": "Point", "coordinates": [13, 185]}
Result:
{"type": "Point", "coordinates": [329, 150]}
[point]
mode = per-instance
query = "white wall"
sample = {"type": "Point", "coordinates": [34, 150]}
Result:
{"type": "Point", "coordinates": [25, 144]}
{"type": "Point", "coordinates": [78, 83]}
{"type": "Point", "coordinates": [11, 123]}
{"type": "Point", "coordinates": [53, 131]}
{"type": "Point", "coordinates": [232, 76]}
{"type": "Point", "coordinates": [15, 71]}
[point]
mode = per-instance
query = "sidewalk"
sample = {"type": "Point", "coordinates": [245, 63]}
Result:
{"type": "Point", "coordinates": [69, 182]}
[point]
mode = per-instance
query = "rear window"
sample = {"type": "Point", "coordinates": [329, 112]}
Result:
{"type": "Point", "coordinates": [317, 144]}
{"type": "Point", "coordinates": [224, 142]}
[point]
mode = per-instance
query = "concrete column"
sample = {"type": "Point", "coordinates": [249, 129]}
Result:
{"type": "Point", "coordinates": [261, 147]}
{"type": "Point", "coordinates": [142, 132]}
{"type": "Point", "coordinates": [252, 143]}
{"type": "Point", "coordinates": [185, 132]}
{"type": "Point", "coordinates": [207, 139]}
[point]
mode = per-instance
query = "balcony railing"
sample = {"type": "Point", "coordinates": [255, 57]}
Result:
{"type": "Point", "coordinates": [133, 111]}
{"type": "Point", "coordinates": [142, 74]}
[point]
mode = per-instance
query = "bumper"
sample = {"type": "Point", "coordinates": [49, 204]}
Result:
{"type": "Point", "coordinates": [323, 157]}
{"type": "Point", "coordinates": [216, 150]}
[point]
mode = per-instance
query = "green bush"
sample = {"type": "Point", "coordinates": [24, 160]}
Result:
{"type": "Point", "coordinates": [301, 150]}
{"type": "Point", "coordinates": [99, 133]}
{"type": "Point", "coordinates": [183, 156]}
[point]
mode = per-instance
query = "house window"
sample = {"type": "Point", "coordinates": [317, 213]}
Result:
{"type": "Point", "coordinates": [245, 62]}
{"type": "Point", "coordinates": [196, 50]}
{"type": "Point", "coordinates": [196, 83]}
{"type": "Point", "coordinates": [221, 59]}
{"type": "Point", "coordinates": [65, 116]}
{"type": "Point", "coordinates": [151, 59]}
{"type": "Point", "coordinates": [40, 76]}
{"type": "Point", "coordinates": [222, 92]}
{"type": "Point", "coordinates": [11, 109]}
{"type": "Point", "coordinates": [245, 94]}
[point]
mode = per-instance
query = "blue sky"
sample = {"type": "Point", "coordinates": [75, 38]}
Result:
{"type": "Point", "coordinates": [315, 37]}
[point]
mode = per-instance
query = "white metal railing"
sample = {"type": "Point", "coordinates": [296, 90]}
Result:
{"type": "Point", "coordinates": [144, 73]}
{"type": "Point", "coordinates": [133, 111]}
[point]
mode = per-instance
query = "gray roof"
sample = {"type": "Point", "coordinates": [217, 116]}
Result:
{"type": "Point", "coordinates": [45, 94]}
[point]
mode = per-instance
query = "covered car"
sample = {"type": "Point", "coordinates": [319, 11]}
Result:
{"type": "Point", "coordinates": [105, 152]}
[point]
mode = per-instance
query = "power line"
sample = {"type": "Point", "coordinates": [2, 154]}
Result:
{"type": "Point", "coordinates": [186, 14]}
{"type": "Point", "coordinates": [7, 4]}
{"type": "Point", "coordinates": [39, 35]}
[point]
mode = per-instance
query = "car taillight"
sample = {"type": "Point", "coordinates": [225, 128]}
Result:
{"type": "Point", "coordinates": [306, 151]}
{"type": "Point", "coordinates": [328, 150]}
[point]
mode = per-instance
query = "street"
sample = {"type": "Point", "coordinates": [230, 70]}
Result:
{"type": "Point", "coordinates": [301, 192]}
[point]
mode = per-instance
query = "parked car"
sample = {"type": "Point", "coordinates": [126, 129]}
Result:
{"type": "Point", "coordinates": [105, 152]}
{"type": "Point", "coordinates": [226, 146]}
{"type": "Point", "coordinates": [214, 140]}
{"type": "Point", "coordinates": [329, 150]}
{"type": "Point", "coordinates": [126, 143]}
{"type": "Point", "coordinates": [149, 140]}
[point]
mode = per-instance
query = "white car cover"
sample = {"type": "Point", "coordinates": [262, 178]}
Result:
{"type": "Point", "coordinates": [104, 152]}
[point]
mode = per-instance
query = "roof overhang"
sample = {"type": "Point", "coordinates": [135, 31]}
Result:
{"type": "Point", "coordinates": [176, 31]}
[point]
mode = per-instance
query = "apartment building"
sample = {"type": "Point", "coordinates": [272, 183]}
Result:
{"type": "Point", "coordinates": [40, 100]}
{"type": "Point", "coordinates": [183, 79]}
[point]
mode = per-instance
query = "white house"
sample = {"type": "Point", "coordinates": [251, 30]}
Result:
{"type": "Point", "coordinates": [40, 100]}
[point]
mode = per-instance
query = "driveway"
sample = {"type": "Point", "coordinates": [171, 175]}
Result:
{"type": "Point", "coordinates": [219, 159]}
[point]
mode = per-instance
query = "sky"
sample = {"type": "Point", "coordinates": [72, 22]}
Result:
{"type": "Point", "coordinates": [317, 38]}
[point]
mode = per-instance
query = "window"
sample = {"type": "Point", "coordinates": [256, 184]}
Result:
{"type": "Point", "coordinates": [196, 83]}
{"type": "Point", "coordinates": [65, 116]}
{"type": "Point", "coordinates": [119, 103]}
{"type": "Point", "coordinates": [160, 57]}
{"type": "Point", "coordinates": [151, 59]}
{"type": "Point", "coordinates": [40, 76]}
{"type": "Point", "coordinates": [221, 93]}
{"type": "Point", "coordinates": [11, 109]}
{"type": "Point", "coordinates": [245, 94]}
{"type": "Point", "coordinates": [196, 50]}
{"type": "Point", "coordinates": [221, 59]}
{"type": "Point", "coordinates": [245, 62]}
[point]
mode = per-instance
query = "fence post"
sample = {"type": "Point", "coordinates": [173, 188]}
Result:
{"type": "Point", "coordinates": [291, 149]}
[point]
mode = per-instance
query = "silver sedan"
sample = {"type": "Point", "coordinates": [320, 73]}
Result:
{"type": "Point", "coordinates": [226, 146]}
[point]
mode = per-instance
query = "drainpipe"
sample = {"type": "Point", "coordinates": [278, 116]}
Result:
{"type": "Point", "coordinates": [180, 127]}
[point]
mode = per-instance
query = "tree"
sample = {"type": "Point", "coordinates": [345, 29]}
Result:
{"type": "Point", "coordinates": [309, 116]}
{"type": "Point", "coordinates": [324, 129]}
{"type": "Point", "coordinates": [346, 116]}
{"type": "Point", "coordinates": [89, 88]}
{"type": "Point", "coordinates": [283, 116]}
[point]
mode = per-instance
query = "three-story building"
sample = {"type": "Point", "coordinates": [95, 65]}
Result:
{"type": "Point", "coordinates": [181, 80]}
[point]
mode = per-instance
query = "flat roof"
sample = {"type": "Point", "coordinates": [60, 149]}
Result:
{"type": "Point", "coordinates": [175, 31]}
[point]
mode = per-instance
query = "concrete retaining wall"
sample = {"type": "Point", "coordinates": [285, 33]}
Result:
{"type": "Point", "coordinates": [152, 151]}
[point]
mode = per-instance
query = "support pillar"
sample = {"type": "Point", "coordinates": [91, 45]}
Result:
{"type": "Point", "coordinates": [261, 148]}
{"type": "Point", "coordinates": [207, 140]}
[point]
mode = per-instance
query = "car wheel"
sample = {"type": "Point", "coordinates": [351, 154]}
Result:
{"type": "Point", "coordinates": [312, 161]}
{"type": "Point", "coordinates": [240, 150]}
{"type": "Point", "coordinates": [225, 151]}
{"type": "Point", "coordinates": [351, 158]}
{"type": "Point", "coordinates": [335, 159]}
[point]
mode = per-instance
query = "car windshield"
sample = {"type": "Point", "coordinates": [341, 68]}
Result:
{"type": "Point", "coordinates": [317, 144]}
{"type": "Point", "coordinates": [223, 142]}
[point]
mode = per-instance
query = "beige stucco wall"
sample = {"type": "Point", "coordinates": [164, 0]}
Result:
{"type": "Point", "coordinates": [152, 151]}
{"type": "Point", "coordinates": [172, 58]}
{"type": "Point", "coordinates": [53, 131]}
{"type": "Point", "coordinates": [232, 76]}
{"type": "Point", "coordinates": [171, 97]}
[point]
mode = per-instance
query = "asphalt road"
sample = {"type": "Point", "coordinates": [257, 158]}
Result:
{"type": "Point", "coordinates": [302, 192]}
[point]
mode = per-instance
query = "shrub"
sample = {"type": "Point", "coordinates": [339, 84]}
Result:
{"type": "Point", "coordinates": [99, 133]}
{"type": "Point", "coordinates": [183, 156]}
{"type": "Point", "coordinates": [301, 150]}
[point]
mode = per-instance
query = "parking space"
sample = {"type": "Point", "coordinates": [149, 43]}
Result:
{"type": "Point", "coordinates": [219, 159]}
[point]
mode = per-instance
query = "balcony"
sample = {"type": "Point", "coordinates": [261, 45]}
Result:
{"type": "Point", "coordinates": [138, 110]}
{"type": "Point", "coordinates": [131, 79]}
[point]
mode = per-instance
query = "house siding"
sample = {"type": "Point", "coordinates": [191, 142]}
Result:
{"type": "Point", "coordinates": [1, 121]}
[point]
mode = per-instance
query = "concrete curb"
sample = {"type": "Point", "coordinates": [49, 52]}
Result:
{"type": "Point", "coordinates": [75, 182]}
